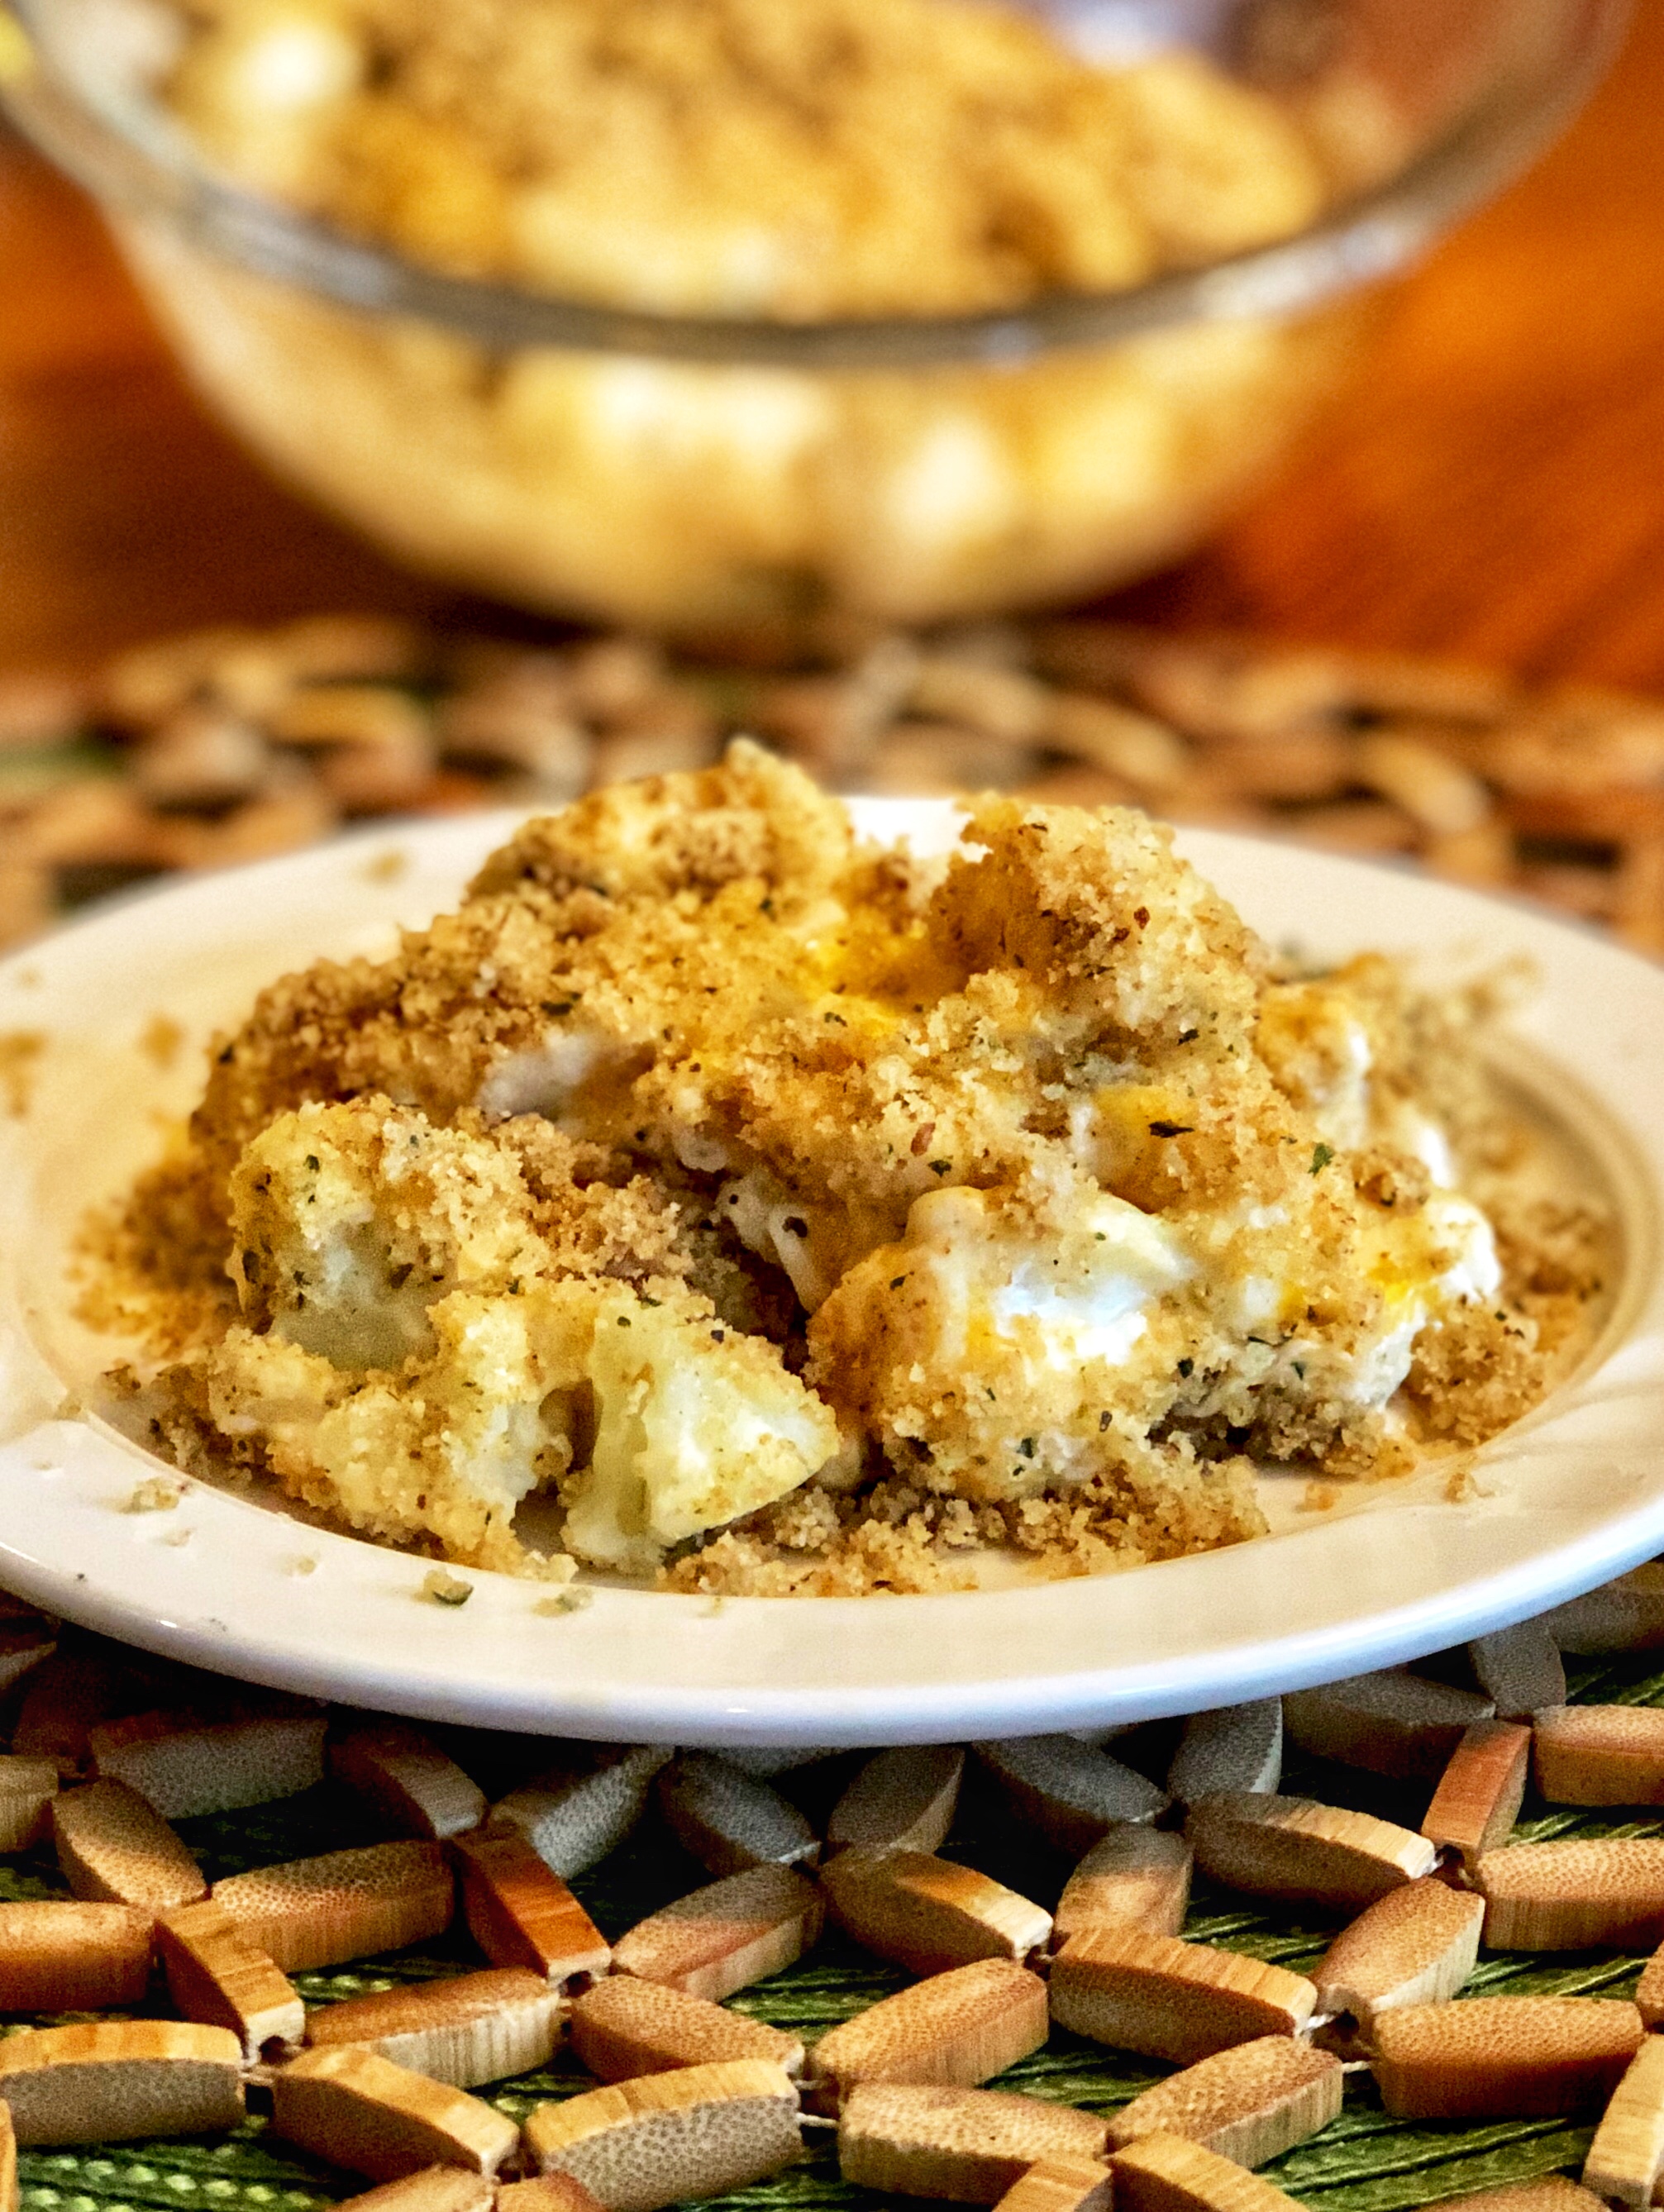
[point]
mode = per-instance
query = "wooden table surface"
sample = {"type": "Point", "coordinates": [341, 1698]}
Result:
{"type": "Point", "coordinates": [1493, 488]}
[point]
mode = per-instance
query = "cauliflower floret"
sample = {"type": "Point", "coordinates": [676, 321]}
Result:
{"type": "Point", "coordinates": [444, 1450]}
{"type": "Point", "coordinates": [752, 819]}
{"type": "Point", "coordinates": [1007, 1338]}
{"type": "Point", "coordinates": [695, 1425]}
{"type": "Point", "coordinates": [1127, 942]}
{"type": "Point", "coordinates": [1026, 1340]}
{"type": "Point", "coordinates": [586, 944]}
{"type": "Point", "coordinates": [692, 1425]}
{"type": "Point", "coordinates": [435, 1326]}
{"type": "Point", "coordinates": [349, 1222]}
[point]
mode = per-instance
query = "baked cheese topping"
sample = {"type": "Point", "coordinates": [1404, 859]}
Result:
{"type": "Point", "coordinates": [797, 1215]}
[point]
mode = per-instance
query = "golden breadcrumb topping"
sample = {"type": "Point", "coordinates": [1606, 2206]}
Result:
{"type": "Point", "coordinates": [808, 1218]}
{"type": "Point", "coordinates": [800, 158]}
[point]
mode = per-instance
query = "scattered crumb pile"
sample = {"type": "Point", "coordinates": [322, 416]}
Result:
{"type": "Point", "coordinates": [801, 158]}
{"type": "Point", "coordinates": [806, 1217]}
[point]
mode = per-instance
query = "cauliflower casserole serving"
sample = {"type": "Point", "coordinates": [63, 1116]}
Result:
{"type": "Point", "coordinates": [799, 1216]}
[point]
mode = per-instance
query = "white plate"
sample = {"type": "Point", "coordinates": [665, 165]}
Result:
{"type": "Point", "coordinates": [1573, 1494]}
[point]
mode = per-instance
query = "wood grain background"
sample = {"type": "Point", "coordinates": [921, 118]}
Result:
{"type": "Point", "coordinates": [1493, 487]}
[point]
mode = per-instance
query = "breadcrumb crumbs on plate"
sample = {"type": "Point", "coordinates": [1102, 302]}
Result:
{"type": "Point", "coordinates": [389, 868]}
{"type": "Point", "coordinates": [565, 1602]}
{"type": "Point", "coordinates": [1002, 1214]}
{"type": "Point", "coordinates": [160, 1039]}
{"type": "Point", "coordinates": [155, 1494]}
{"type": "Point", "coordinates": [20, 1052]}
{"type": "Point", "coordinates": [446, 1589]}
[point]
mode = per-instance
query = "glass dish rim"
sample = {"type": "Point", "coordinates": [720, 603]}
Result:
{"type": "Point", "coordinates": [132, 163]}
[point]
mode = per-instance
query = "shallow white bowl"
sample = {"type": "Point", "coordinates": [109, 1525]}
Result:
{"type": "Point", "coordinates": [1573, 1494]}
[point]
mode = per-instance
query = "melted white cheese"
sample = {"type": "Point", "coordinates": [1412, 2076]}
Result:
{"type": "Point", "coordinates": [543, 1078]}
{"type": "Point", "coordinates": [1083, 1295]}
{"type": "Point", "coordinates": [1410, 1131]}
{"type": "Point", "coordinates": [1341, 1109]}
{"type": "Point", "coordinates": [1475, 1272]}
{"type": "Point", "coordinates": [776, 1227]}
{"type": "Point", "coordinates": [1417, 1291]}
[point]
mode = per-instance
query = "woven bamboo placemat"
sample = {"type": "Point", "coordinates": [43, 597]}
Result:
{"type": "Point", "coordinates": [1361, 2162]}
{"type": "Point", "coordinates": [230, 744]}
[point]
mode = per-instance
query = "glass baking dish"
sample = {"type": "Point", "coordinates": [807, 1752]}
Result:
{"type": "Point", "coordinates": [714, 475]}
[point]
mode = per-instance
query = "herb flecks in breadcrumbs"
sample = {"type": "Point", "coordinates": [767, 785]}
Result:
{"type": "Point", "coordinates": [811, 1218]}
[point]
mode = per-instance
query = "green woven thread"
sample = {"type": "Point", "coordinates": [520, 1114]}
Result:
{"type": "Point", "coordinates": [1363, 2162]}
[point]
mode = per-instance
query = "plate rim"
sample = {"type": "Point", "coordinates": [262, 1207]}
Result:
{"type": "Point", "coordinates": [147, 1610]}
